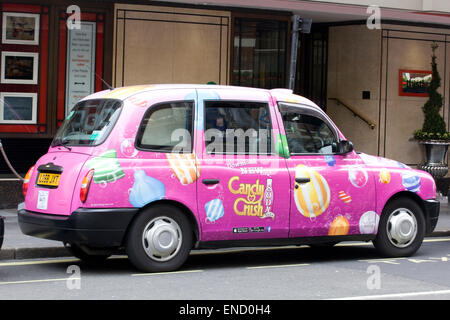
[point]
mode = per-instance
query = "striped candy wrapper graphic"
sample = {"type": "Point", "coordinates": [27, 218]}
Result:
{"type": "Point", "coordinates": [411, 182]}
{"type": "Point", "coordinates": [184, 166]}
{"type": "Point", "coordinates": [344, 197]}
{"type": "Point", "coordinates": [214, 210]}
{"type": "Point", "coordinates": [312, 198]}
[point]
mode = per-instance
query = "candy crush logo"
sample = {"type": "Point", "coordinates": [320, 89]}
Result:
{"type": "Point", "coordinates": [251, 204]}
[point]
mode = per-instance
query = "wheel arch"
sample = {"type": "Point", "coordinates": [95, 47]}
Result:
{"type": "Point", "coordinates": [410, 195]}
{"type": "Point", "coordinates": [189, 214]}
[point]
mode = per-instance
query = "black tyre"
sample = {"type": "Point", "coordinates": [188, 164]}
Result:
{"type": "Point", "coordinates": [401, 229]}
{"type": "Point", "coordinates": [159, 239]}
{"type": "Point", "coordinates": [81, 253]}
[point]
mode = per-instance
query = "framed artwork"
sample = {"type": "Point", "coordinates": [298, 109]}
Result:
{"type": "Point", "coordinates": [18, 107]}
{"type": "Point", "coordinates": [414, 82]}
{"type": "Point", "coordinates": [20, 28]}
{"type": "Point", "coordinates": [19, 67]}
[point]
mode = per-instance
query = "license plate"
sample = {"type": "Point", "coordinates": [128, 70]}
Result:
{"type": "Point", "coordinates": [48, 179]}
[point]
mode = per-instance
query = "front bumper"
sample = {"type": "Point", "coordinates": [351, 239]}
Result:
{"type": "Point", "coordinates": [91, 227]}
{"type": "Point", "coordinates": [432, 208]}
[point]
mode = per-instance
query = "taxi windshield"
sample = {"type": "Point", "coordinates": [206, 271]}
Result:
{"type": "Point", "coordinates": [89, 123]}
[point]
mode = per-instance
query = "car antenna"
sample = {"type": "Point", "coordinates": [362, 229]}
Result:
{"type": "Point", "coordinates": [106, 83]}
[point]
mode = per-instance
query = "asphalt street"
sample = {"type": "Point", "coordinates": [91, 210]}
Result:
{"type": "Point", "coordinates": [348, 271]}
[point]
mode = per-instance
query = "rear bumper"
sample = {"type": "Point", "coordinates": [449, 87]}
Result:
{"type": "Point", "coordinates": [92, 227]}
{"type": "Point", "coordinates": [432, 208]}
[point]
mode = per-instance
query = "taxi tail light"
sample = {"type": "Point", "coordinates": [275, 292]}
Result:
{"type": "Point", "coordinates": [26, 181]}
{"type": "Point", "coordinates": [85, 184]}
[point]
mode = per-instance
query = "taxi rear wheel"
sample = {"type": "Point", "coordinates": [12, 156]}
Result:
{"type": "Point", "coordinates": [401, 229]}
{"type": "Point", "coordinates": [159, 239]}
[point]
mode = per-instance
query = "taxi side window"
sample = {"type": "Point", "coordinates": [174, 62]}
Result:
{"type": "Point", "coordinates": [307, 133]}
{"type": "Point", "coordinates": [167, 127]}
{"type": "Point", "coordinates": [233, 127]}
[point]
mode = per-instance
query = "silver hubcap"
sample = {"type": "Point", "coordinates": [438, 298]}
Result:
{"type": "Point", "coordinates": [162, 239]}
{"type": "Point", "coordinates": [402, 228]}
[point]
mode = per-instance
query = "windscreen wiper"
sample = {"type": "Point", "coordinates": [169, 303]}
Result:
{"type": "Point", "coordinates": [60, 143]}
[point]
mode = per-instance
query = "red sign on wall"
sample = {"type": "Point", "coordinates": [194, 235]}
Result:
{"type": "Point", "coordinates": [80, 65]}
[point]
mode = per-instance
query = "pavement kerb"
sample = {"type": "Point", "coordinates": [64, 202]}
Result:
{"type": "Point", "coordinates": [33, 253]}
{"type": "Point", "coordinates": [58, 252]}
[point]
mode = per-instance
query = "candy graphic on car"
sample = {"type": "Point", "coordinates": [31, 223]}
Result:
{"type": "Point", "coordinates": [344, 197]}
{"type": "Point", "coordinates": [145, 189]}
{"type": "Point", "coordinates": [339, 227]}
{"type": "Point", "coordinates": [106, 167]}
{"type": "Point", "coordinates": [268, 200]}
{"type": "Point", "coordinates": [411, 182]}
{"type": "Point", "coordinates": [385, 176]}
{"type": "Point", "coordinates": [311, 198]}
{"type": "Point", "coordinates": [330, 160]}
{"type": "Point", "coordinates": [214, 210]}
{"type": "Point", "coordinates": [138, 101]}
{"type": "Point", "coordinates": [358, 177]}
{"type": "Point", "coordinates": [281, 146]}
{"type": "Point", "coordinates": [368, 223]}
{"type": "Point", "coordinates": [184, 166]}
{"type": "Point", "coordinates": [127, 148]}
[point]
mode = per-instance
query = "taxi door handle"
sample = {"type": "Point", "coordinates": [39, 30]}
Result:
{"type": "Point", "coordinates": [210, 181]}
{"type": "Point", "coordinates": [302, 180]}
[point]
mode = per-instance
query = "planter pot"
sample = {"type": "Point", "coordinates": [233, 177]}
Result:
{"type": "Point", "coordinates": [436, 152]}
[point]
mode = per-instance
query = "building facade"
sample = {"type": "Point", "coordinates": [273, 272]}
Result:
{"type": "Point", "coordinates": [353, 61]}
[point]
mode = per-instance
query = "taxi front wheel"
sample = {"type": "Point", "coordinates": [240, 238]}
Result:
{"type": "Point", "coordinates": [401, 229]}
{"type": "Point", "coordinates": [159, 239]}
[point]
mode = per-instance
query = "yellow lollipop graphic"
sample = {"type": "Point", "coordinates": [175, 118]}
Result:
{"type": "Point", "coordinates": [311, 198]}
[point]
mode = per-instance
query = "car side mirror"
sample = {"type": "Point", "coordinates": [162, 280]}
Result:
{"type": "Point", "coordinates": [344, 146]}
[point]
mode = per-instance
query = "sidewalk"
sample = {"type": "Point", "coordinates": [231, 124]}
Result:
{"type": "Point", "coordinates": [16, 245]}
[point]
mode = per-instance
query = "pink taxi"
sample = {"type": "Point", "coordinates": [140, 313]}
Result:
{"type": "Point", "coordinates": [158, 170]}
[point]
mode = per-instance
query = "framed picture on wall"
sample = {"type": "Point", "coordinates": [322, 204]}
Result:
{"type": "Point", "coordinates": [414, 82]}
{"type": "Point", "coordinates": [19, 67]}
{"type": "Point", "coordinates": [18, 107]}
{"type": "Point", "coordinates": [20, 28]}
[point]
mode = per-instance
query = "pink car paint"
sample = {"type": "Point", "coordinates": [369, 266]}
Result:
{"type": "Point", "coordinates": [256, 197]}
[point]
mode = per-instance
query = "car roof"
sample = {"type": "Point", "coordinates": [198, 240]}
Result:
{"type": "Point", "coordinates": [123, 93]}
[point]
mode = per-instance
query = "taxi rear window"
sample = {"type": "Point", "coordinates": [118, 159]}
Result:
{"type": "Point", "coordinates": [89, 123]}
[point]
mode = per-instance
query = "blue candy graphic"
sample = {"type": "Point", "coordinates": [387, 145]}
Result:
{"type": "Point", "coordinates": [402, 165]}
{"type": "Point", "coordinates": [145, 189]}
{"type": "Point", "coordinates": [214, 210]}
{"type": "Point", "coordinates": [411, 182]}
{"type": "Point", "coordinates": [330, 160]}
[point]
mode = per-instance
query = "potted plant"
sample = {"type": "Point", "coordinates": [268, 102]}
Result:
{"type": "Point", "coordinates": [434, 134]}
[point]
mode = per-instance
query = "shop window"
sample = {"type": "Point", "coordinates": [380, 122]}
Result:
{"type": "Point", "coordinates": [23, 68]}
{"type": "Point", "coordinates": [259, 53]}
